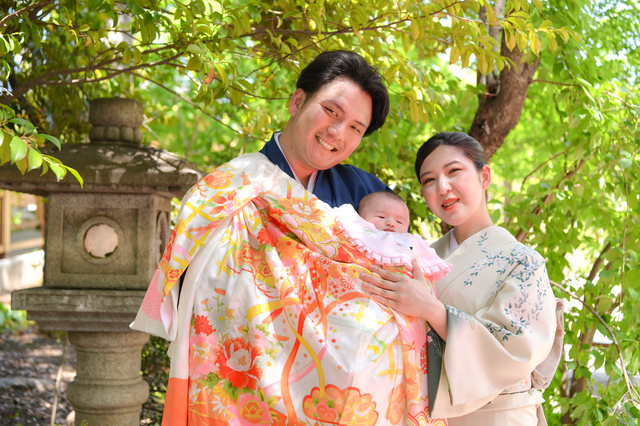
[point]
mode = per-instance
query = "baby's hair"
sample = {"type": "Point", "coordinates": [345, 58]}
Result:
{"type": "Point", "coordinates": [390, 195]}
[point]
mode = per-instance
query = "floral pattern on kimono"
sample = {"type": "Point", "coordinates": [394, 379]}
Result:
{"type": "Point", "coordinates": [272, 325]}
{"type": "Point", "coordinates": [501, 324]}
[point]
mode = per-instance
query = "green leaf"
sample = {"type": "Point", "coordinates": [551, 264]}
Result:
{"type": "Point", "coordinates": [625, 162]}
{"type": "Point", "coordinates": [75, 173]}
{"type": "Point", "coordinates": [51, 139]}
{"type": "Point", "coordinates": [5, 147]}
{"type": "Point", "coordinates": [22, 165]}
{"type": "Point", "coordinates": [84, 28]}
{"type": "Point", "coordinates": [34, 159]}
{"type": "Point", "coordinates": [608, 273]}
{"type": "Point", "coordinates": [58, 170]}
{"type": "Point", "coordinates": [19, 149]}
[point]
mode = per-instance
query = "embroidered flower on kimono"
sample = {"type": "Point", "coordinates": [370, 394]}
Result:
{"type": "Point", "coordinates": [304, 208]}
{"type": "Point", "coordinates": [467, 281]}
{"type": "Point", "coordinates": [274, 231]}
{"type": "Point", "coordinates": [291, 251]}
{"type": "Point", "coordinates": [174, 274]}
{"type": "Point", "coordinates": [265, 238]}
{"type": "Point", "coordinates": [221, 319]}
{"type": "Point", "coordinates": [317, 235]}
{"type": "Point", "coordinates": [202, 349]}
{"type": "Point", "coordinates": [258, 338]}
{"type": "Point", "coordinates": [229, 203]}
{"type": "Point", "coordinates": [201, 325]}
{"type": "Point", "coordinates": [267, 364]}
{"type": "Point", "coordinates": [236, 361]}
{"type": "Point", "coordinates": [478, 267]}
{"type": "Point", "coordinates": [218, 179]}
{"type": "Point", "coordinates": [337, 406]}
{"type": "Point", "coordinates": [251, 410]}
{"type": "Point", "coordinates": [397, 405]}
{"type": "Point", "coordinates": [515, 313]}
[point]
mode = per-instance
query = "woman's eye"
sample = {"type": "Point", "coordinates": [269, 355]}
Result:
{"type": "Point", "coordinates": [453, 170]}
{"type": "Point", "coordinates": [427, 180]}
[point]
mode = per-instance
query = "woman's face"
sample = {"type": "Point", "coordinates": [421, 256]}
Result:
{"type": "Point", "coordinates": [452, 186]}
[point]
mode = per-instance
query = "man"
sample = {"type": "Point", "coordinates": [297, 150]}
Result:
{"type": "Point", "coordinates": [254, 244]}
{"type": "Point", "coordinates": [339, 99]}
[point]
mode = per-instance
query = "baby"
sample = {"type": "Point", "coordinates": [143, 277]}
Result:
{"type": "Point", "coordinates": [386, 211]}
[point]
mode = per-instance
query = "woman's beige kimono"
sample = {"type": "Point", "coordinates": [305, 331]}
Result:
{"type": "Point", "coordinates": [504, 331]}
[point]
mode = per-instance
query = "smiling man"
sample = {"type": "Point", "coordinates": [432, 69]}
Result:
{"type": "Point", "coordinates": [339, 99]}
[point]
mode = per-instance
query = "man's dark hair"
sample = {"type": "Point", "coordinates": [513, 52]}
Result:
{"type": "Point", "coordinates": [470, 147]}
{"type": "Point", "coordinates": [390, 195]}
{"type": "Point", "coordinates": [335, 64]}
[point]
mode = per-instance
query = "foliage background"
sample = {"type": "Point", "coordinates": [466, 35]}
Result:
{"type": "Point", "coordinates": [215, 77]}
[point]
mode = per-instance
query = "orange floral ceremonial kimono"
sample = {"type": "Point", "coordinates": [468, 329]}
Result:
{"type": "Point", "coordinates": [272, 326]}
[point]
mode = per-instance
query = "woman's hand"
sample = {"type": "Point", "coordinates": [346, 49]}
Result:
{"type": "Point", "coordinates": [409, 296]}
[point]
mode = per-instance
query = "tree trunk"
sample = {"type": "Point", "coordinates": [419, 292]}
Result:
{"type": "Point", "coordinates": [500, 112]}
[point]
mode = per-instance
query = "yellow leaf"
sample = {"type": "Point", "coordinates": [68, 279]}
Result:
{"type": "Point", "coordinates": [415, 113]}
{"type": "Point", "coordinates": [482, 62]}
{"type": "Point", "coordinates": [455, 55]}
{"type": "Point", "coordinates": [534, 43]}
{"type": "Point", "coordinates": [415, 29]}
{"type": "Point", "coordinates": [491, 15]}
{"type": "Point", "coordinates": [466, 54]}
{"type": "Point", "coordinates": [551, 38]}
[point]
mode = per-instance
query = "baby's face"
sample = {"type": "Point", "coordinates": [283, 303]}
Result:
{"type": "Point", "coordinates": [387, 215]}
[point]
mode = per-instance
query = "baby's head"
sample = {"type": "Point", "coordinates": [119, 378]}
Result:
{"type": "Point", "coordinates": [386, 210]}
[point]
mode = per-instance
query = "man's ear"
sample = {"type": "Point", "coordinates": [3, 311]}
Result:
{"type": "Point", "coordinates": [297, 100]}
{"type": "Point", "coordinates": [485, 176]}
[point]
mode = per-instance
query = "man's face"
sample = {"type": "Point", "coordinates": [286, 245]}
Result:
{"type": "Point", "coordinates": [325, 128]}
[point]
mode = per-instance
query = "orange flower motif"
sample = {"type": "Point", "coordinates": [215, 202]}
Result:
{"type": "Point", "coordinates": [174, 274]}
{"type": "Point", "coordinates": [251, 410]}
{"type": "Point", "coordinates": [303, 208]}
{"type": "Point", "coordinates": [265, 238]}
{"type": "Point", "coordinates": [236, 361]}
{"type": "Point", "coordinates": [218, 179]}
{"type": "Point", "coordinates": [291, 251]}
{"type": "Point", "coordinates": [337, 406]}
{"type": "Point", "coordinates": [397, 404]}
{"type": "Point", "coordinates": [201, 325]}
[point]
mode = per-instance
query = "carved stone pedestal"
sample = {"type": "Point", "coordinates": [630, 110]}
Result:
{"type": "Point", "coordinates": [108, 389]}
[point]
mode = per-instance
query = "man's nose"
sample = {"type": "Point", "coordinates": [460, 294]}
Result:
{"type": "Point", "coordinates": [337, 129]}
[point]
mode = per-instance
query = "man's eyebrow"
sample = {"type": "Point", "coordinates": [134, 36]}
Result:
{"type": "Point", "coordinates": [446, 165]}
{"type": "Point", "coordinates": [338, 106]}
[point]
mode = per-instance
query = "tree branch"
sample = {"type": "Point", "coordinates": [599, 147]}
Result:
{"type": "Point", "coordinates": [193, 104]}
{"type": "Point", "coordinates": [522, 234]}
{"type": "Point", "coordinates": [630, 388]}
{"type": "Point", "coordinates": [40, 5]}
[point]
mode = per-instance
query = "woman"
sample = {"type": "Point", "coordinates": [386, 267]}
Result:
{"type": "Point", "coordinates": [495, 310]}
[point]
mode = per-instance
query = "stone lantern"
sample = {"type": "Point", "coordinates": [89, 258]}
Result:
{"type": "Point", "coordinates": [103, 242]}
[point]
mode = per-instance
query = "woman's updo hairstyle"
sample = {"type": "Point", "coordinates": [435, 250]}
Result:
{"type": "Point", "coordinates": [468, 145]}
